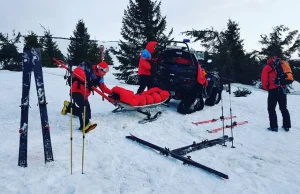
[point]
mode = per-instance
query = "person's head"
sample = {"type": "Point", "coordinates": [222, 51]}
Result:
{"type": "Point", "coordinates": [151, 46]}
{"type": "Point", "coordinates": [101, 69]}
{"type": "Point", "coordinates": [271, 60]}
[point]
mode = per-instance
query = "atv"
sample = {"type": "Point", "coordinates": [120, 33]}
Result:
{"type": "Point", "coordinates": [176, 72]}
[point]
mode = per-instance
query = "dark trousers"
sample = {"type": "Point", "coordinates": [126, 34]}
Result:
{"type": "Point", "coordinates": [278, 96]}
{"type": "Point", "coordinates": [145, 81]}
{"type": "Point", "coordinates": [78, 108]}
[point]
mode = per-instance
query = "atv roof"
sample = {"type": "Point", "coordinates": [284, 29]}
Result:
{"type": "Point", "coordinates": [172, 53]}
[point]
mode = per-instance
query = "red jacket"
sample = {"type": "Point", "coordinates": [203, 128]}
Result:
{"type": "Point", "coordinates": [200, 77]}
{"type": "Point", "coordinates": [78, 86]}
{"type": "Point", "coordinates": [267, 78]}
{"type": "Point", "coordinates": [145, 58]}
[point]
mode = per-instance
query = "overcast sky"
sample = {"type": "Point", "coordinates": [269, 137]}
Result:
{"type": "Point", "coordinates": [103, 18]}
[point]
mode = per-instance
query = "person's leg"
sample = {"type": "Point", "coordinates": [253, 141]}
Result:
{"type": "Point", "coordinates": [150, 82]}
{"type": "Point", "coordinates": [143, 83]}
{"type": "Point", "coordinates": [282, 101]}
{"type": "Point", "coordinates": [78, 107]}
{"type": "Point", "coordinates": [88, 112]}
{"type": "Point", "coordinates": [272, 102]}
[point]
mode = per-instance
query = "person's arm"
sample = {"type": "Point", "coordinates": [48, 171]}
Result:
{"type": "Point", "coordinates": [103, 87]}
{"type": "Point", "coordinates": [147, 57]}
{"type": "Point", "coordinates": [265, 78]}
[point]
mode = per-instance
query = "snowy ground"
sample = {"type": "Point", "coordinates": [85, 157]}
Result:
{"type": "Point", "coordinates": [262, 162]}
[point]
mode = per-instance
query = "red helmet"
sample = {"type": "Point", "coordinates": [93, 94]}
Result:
{"type": "Point", "coordinates": [102, 66]}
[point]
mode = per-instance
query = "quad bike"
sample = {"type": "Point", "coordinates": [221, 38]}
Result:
{"type": "Point", "coordinates": [176, 71]}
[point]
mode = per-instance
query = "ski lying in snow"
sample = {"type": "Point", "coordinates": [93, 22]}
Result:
{"type": "Point", "coordinates": [185, 160]}
{"type": "Point", "coordinates": [234, 124]}
{"type": "Point", "coordinates": [212, 120]}
{"type": "Point", "coordinates": [204, 144]}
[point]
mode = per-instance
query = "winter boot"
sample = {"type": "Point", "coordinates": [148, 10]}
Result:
{"type": "Point", "coordinates": [275, 129]}
{"type": "Point", "coordinates": [89, 127]}
{"type": "Point", "coordinates": [65, 109]}
{"type": "Point", "coordinates": [286, 129]}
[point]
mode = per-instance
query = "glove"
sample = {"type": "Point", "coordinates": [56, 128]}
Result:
{"type": "Point", "coordinates": [114, 96]}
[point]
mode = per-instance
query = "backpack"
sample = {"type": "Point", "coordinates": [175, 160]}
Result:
{"type": "Point", "coordinates": [283, 71]}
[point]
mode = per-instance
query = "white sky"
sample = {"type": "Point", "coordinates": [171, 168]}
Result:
{"type": "Point", "coordinates": [103, 18]}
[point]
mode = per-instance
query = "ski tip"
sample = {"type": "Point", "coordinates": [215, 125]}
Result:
{"type": "Point", "coordinates": [226, 177]}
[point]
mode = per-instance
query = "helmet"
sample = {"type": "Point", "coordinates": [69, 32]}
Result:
{"type": "Point", "coordinates": [102, 66]}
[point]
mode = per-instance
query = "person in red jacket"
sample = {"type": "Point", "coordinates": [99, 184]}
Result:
{"type": "Point", "coordinates": [144, 70]}
{"type": "Point", "coordinates": [94, 75]}
{"type": "Point", "coordinates": [276, 94]}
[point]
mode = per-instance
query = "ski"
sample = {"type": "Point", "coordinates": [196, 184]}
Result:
{"type": "Point", "coordinates": [234, 124]}
{"type": "Point", "coordinates": [211, 120]}
{"type": "Point", "coordinates": [26, 80]}
{"type": "Point", "coordinates": [39, 82]}
{"type": "Point", "coordinates": [101, 51]}
{"type": "Point", "coordinates": [185, 160]}
{"type": "Point", "coordinates": [201, 145]}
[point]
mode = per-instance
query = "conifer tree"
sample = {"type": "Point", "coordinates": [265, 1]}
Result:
{"type": "Point", "coordinates": [107, 58]}
{"type": "Point", "coordinates": [50, 50]}
{"type": "Point", "coordinates": [142, 22]}
{"type": "Point", "coordinates": [228, 55]}
{"type": "Point", "coordinates": [81, 47]}
{"type": "Point", "coordinates": [278, 44]}
{"type": "Point", "coordinates": [10, 58]}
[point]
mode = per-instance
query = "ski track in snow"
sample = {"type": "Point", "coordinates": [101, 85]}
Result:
{"type": "Point", "coordinates": [262, 162]}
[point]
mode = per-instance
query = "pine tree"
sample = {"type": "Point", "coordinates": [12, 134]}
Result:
{"type": "Point", "coordinates": [228, 55]}
{"type": "Point", "coordinates": [50, 50]}
{"type": "Point", "coordinates": [142, 22]}
{"type": "Point", "coordinates": [107, 58]}
{"type": "Point", "coordinates": [93, 52]}
{"type": "Point", "coordinates": [10, 58]}
{"type": "Point", "coordinates": [275, 43]}
{"type": "Point", "coordinates": [32, 41]}
{"type": "Point", "coordinates": [295, 65]}
{"type": "Point", "coordinates": [81, 48]}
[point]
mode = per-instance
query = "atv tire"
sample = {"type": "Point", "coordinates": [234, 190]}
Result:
{"type": "Point", "coordinates": [212, 99]}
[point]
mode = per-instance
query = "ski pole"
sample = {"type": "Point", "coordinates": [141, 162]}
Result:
{"type": "Point", "coordinates": [229, 88]}
{"type": "Point", "coordinates": [84, 115]}
{"type": "Point", "coordinates": [71, 114]}
{"type": "Point", "coordinates": [222, 118]}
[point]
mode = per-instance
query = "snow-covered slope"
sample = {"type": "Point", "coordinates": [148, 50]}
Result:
{"type": "Point", "coordinates": [262, 162]}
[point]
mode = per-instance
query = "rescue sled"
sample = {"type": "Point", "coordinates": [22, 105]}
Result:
{"type": "Point", "coordinates": [138, 105]}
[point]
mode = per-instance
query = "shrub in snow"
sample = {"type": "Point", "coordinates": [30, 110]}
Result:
{"type": "Point", "coordinates": [242, 93]}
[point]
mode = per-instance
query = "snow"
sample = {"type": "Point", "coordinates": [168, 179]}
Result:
{"type": "Point", "coordinates": [262, 162]}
